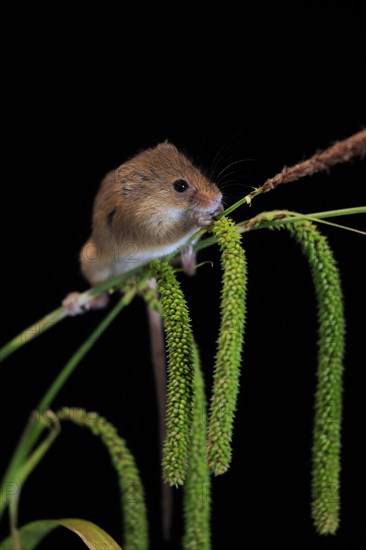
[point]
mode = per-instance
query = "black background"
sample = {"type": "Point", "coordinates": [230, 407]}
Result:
{"type": "Point", "coordinates": [84, 92]}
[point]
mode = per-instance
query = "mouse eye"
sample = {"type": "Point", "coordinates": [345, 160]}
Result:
{"type": "Point", "coordinates": [180, 186]}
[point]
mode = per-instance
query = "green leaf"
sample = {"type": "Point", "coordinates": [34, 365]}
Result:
{"type": "Point", "coordinates": [32, 534]}
{"type": "Point", "coordinates": [27, 468]}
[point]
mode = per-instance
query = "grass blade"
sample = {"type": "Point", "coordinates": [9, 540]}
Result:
{"type": "Point", "coordinates": [33, 533]}
{"type": "Point", "coordinates": [33, 430]}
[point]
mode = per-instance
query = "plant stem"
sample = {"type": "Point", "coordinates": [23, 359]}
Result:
{"type": "Point", "coordinates": [82, 351]}
{"type": "Point", "coordinates": [33, 430]}
{"type": "Point", "coordinates": [277, 218]}
{"type": "Point", "coordinates": [38, 328]}
{"type": "Point", "coordinates": [342, 151]}
{"type": "Point", "coordinates": [266, 220]}
{"type": "Point", "coordinates": [50, 320]}
{"type": "Point", "coordinates": [341, 212]}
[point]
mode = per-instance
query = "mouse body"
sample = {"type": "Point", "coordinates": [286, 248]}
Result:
{"type": "Point", "coordinates": [147, 208]}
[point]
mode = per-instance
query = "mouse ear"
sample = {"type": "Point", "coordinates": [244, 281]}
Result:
{"type": "Point", "coordinates": [165, 143]}
{"type": "Point", "coordinates": [122, 173]}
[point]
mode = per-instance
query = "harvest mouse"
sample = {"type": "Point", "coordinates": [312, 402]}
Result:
{"type": "Point", "coordinates": [147, 208]}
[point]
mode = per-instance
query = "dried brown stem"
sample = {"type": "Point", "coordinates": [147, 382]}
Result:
{"type": "Point", "coordinates": [342, 151]}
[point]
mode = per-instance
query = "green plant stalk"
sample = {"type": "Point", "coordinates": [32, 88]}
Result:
{"type": "Point", "coordinates": [23, 473]}
{"type": "Point", "coordinates": [34, 430]}
{"type": "Point", "coordinates": [337, 213]}
{"type": "Point", "coordinates": [133, 506]}
{"type": "Point", "coordinates": [83, 350]}
{"type": "Point", "coordinates": [276, 218]}
{"type": "Point", "coordinates": [328, 398]}
{"type": "Point", "coordinates": [179, 342]}
{"type": "Point", "coordinates": [50, 320]}
{"type": "Point", "coordinates": [38, 328]}
{"type": "Point", "coordinates": [197, 487]}
{"type": "Point", "coordinates": [229, 346]}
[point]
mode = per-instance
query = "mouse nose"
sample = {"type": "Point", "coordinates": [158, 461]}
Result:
{"type": "Point", "coordinates": [216, 202]}
{"type": "Point", "coordinates": [209, 202]}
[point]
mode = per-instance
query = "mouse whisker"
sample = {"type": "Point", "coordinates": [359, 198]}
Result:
{"type": "Point", "coordinates": [229, 166]}
{"type": "Point", "coordinates": [235, 188]}
{"type": "Point", "coordinates": [234, 175]}
{"type": "Point", "coordinates": [219, 155]}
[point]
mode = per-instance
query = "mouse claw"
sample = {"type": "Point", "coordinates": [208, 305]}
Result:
{"type": "Point", "coordinates": [207, 218]}
{"type": "Point", "coordinates": [71, 303]}
{"type": "Point", "coordinates": [219, 210]}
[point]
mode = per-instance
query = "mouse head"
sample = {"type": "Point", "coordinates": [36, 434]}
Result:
{"type": "Point", "coordinates": [162, 182]}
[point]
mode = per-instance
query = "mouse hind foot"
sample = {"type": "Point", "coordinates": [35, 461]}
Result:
{"type": "Point", "coordinates": [72, 304]}
{"type": "Point", "coordinates": [188, 260]}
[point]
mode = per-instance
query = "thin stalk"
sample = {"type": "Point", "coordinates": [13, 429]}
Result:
{"type": "Point", "coordinates": [23, 473]}
{"type": "Point", "coordinates": [38, 328]}
{"type": "Point", "coordinates": [284, 216]}
{"type": "Point", "coordinates": [50, 320]}
{"type": "Point", "coordinates": [277, 218]}
{"type": "Point", "coordinates": [33, 430]}
{"type": "Point", "coordinates": [342, 151]}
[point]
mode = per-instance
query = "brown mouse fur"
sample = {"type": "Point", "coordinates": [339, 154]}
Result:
{"type": "Point", "coordinates": [138, 215]}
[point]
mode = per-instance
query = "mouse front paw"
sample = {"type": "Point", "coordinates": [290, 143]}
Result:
{"type": "Point", "coordinates": [203, 219]}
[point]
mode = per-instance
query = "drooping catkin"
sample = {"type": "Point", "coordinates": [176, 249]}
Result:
{"type": "Point", "coordinates": [135, 534]}
{"type": "Point", "coordinates": [229, 346]}
{"type": "Point", "coordinates": [179, 343]}
{"type": "Point", "coordinates": [197, 486]}
{"type": "Point", "coordinates": [328, 396]}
